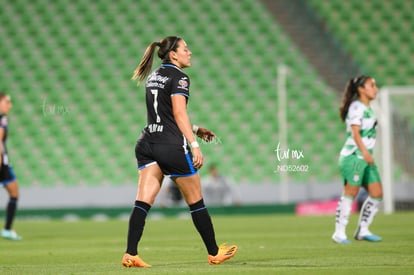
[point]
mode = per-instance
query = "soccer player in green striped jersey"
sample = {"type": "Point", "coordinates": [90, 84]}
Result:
{"type": "Point", "coordinates": [356, 162]}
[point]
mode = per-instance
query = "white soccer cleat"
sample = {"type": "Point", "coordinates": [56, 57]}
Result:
{"type": "Point", "coordinates": [340, 240]}
{"type": "Point", "coordinates": [10, 235]}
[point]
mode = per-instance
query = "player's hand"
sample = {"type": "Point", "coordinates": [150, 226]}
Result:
{"type": "Point", "coordinates": [368, 158]}
{"type": "Point", "coordinates": [205, 134]}
{"type": "Point", "coordinates": [198, 159]}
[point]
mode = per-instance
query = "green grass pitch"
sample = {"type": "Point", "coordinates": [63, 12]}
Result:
{"type": "Point", "coordinates": [268, 244]}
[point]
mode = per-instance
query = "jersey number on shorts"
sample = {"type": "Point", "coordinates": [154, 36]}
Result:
{"type": "Point", "coordinates": [155, 93]}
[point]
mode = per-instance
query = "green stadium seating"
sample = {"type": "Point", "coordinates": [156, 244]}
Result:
{"type": "Point", "coordinates": [377, 34]}
{"type": "Point", "coordinates": [78, 57]}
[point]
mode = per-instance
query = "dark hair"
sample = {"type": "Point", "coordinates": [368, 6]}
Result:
{"type": "Point", "coordinates": [351, 93]}
{"type": "Point", "coordinates": [169, 43]}
{"type": "Point", "coordinates": [3, 95]}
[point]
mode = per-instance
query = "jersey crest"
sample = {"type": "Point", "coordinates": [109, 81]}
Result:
{"type": "Point", "coordinates": [183, 83]}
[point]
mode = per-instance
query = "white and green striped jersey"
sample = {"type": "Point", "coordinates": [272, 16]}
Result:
{"type": "Point", "coordinates": [364, 116]}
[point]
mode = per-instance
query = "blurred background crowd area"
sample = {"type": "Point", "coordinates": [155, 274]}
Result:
{"type": "Point", "coordinates": [67, 65]}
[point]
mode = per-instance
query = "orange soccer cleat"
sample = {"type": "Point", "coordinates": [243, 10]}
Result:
{"type": "Point", "coordinates": [224, 253]}
{"type": "Point", "coordinates": [133, 261]}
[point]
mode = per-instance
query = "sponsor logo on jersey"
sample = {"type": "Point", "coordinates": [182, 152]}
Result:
{"type": "Point", "coordinates": [152, 128]}
{"type": "Point", "coordinates": [158, 78]}
{"type": "Point", "coordinates": [156, 81]}
{"type": "Point", "coordinates": [183, 83]}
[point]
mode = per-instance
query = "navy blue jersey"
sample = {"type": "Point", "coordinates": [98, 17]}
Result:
{"type": "Point", "coordinates": [4, 125]}
{"type": "Point", "coordinates": [165, 82]}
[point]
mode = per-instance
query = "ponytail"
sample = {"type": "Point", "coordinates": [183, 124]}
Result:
{"type": "Point", "coordinates": [169, 43]}
{"type": "Point", "coordinates": [351, 94]}
{"type": "Point", "coordinates": [144, 67]}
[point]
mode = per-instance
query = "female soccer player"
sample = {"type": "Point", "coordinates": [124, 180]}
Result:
{"type": "Point", "coordinates": [163, 148]}
{"type": "Point", "coordinates": [7, 177]}
{"type": "Point", "coordinates": [356, 163]}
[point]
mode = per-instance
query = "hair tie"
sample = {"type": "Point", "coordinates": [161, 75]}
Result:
{"type": "Point", "coordinates": [360, 80]}
{"type": "Point", "coordinates": [355, 80]}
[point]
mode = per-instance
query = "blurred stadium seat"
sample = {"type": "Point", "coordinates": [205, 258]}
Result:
{"type": "Point", "coordinates": [77, 115]}
{"type": "Point", "coordinates": [378, 35]}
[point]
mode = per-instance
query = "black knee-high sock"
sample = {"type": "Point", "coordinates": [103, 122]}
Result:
{"type": "Point", "coordinates": [136, 226]}
{"type": "Point", "coordinates": [202, 222]}
{"type": "Point", "coordinates": [11, 211]}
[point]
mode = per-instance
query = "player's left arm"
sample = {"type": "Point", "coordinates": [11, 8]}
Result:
{"type": "Point", "coordinates": [179, 106]}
